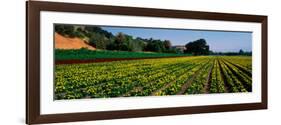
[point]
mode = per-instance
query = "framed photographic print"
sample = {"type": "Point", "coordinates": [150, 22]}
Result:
{"type": "Point", "coordinates": [93, 62]}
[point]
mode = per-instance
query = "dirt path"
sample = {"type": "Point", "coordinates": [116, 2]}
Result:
{"type": "Point", "coordinates": [247, 86]}
{"type": "Point", "coordinates": [241, 68]}
{"type": "Point", "coordinates": [188, 83]}
{"type": "Point", "coordinates": [168, 84]}
{"type": "Point", "coordinates": [163, 88]}
{"type": "Point", "coordinates": [207, 84]}
{"type": "Point", "coordinates": [139, 87]}
{"type": "Point", "coordinates": [226, 86]}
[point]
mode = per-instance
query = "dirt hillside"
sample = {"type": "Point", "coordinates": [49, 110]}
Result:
{"type": "Point", "coordinates": [62, 42]}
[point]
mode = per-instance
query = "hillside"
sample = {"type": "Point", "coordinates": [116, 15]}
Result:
{"type": "Point", "coordinates": [62, 42]}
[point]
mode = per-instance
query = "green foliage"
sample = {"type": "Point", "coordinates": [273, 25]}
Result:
{"type": "Point", "coordinates": [197, 47]}
{"type": "Point", "coordinates": [147, 77]}
{"type": "Point", "coordinates": [97, 30]}
{"type": "Point", "coordinates": [200, 80]}
{"type": "Point", "coordinates": [84, 54]}
{"type": "Point", "coordinates": [175, 87]}
{"type": "Point", "coordinates": [155, 45]}
{"type": "Point", "coordinates": [111, 79]}
{"type": "Point", "coordinates": [216, 83]}
{"type": "Point", "coordinates": [67, 30]}
{"type": "Point", "coordinates": [239, 53]}
{"type": "Point", "coordinates": [99, 41]}
{"type": "Point", "coordinates": [104, 40]}
{"type": "Point", "coordinates": [167, 44]}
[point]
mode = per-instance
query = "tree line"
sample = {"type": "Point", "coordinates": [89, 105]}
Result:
{"type": "Point", "coordinates": [102, 39]}
{"type": "Point", "coordinates": [240, 52]}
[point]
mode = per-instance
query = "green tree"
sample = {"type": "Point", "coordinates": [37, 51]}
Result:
{"type": "Point", "coordinates": [99, 41]}
{"type": "Point", "coordinates": [136, 45]}
{"type": "Point", "coordinates": [120, 44]}
{"type": "Point", "coordinates": [197, 47]}
{"type": "Point", "coordinates": [241, 52]}
{"type": "Point", "coordinates": [167, 44]}
{"type": "Point", "coordinates": [66, 30]}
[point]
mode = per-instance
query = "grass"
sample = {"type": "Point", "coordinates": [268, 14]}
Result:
{"type": "Point", "coordinates": [84, 54]}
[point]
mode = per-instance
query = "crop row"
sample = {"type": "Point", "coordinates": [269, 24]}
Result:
{"type": "Point", "coordinates": [176, 85]}
{"type": "Point", "coordinates": [217, 83]}
{"type": "Point", "coordinates": [200, 80]}
{"type": "Point", "coordinates": [241, 61]}
{"type": "Point", "coordinates": [240, 75]}
{"type": "Point", "coordinates": [73, 82]}
{"type": "Point", "coordinates": [153, 77]}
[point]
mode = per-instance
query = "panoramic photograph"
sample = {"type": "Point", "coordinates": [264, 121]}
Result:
{"type": "Point", "coordinates": [110, 61]}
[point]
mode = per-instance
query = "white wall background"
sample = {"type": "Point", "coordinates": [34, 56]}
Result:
{"type": "Point", "coordinates": [12, 67]}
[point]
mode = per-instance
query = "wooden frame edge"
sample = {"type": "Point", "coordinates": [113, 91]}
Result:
{"type": "Point", "coordinates": [33, 116]}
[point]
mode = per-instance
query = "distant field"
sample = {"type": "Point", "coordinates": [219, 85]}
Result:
{"type": "Point", "coordinates": [84, 54]}
{"type": "Point", "coordinates": [151, 77]}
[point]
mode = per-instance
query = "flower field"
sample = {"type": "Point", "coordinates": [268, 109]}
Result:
{"type": "Point", "coordinates": [154, 77]}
